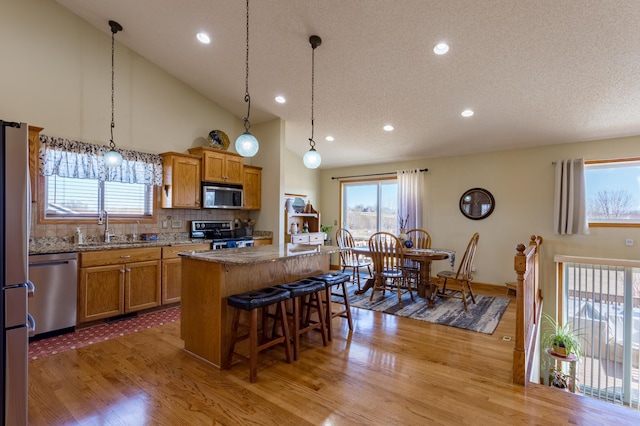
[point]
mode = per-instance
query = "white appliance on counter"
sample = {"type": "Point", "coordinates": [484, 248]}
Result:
{"type": "Point", "coordinates": [221, 232]}
{"type": "Point", "coordinates": [15, 322]}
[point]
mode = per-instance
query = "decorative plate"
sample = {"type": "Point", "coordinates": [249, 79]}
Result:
{"type": "Point", "coordinates": [218, 139]}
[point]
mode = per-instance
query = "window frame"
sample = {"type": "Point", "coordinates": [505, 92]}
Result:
{"type": "Point", "coordinates": [92, 219]}
{"type": "Point", "coordinates": [362, 181]}
{"type": "Point", "coordinates": [611, 224]}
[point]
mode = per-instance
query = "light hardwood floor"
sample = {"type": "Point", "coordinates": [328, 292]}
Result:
{"type": "Point", "coordinates": [390, 370]}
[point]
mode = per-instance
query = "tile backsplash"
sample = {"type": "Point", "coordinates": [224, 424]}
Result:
{"type": "Point", "coordinates": [178, 222]}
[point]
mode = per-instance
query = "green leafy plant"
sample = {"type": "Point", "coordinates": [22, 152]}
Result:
{"type": "Point", "coordinates": [561, 336]}
{"type": "Point", "coordinates": [326, 228]}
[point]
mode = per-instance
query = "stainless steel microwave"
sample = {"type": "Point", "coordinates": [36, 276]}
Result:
{"type": "Point", "coordinates": [221, 196]}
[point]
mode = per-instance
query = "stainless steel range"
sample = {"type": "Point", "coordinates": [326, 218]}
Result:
{"type": "Point", "coordinates": [221, 232]}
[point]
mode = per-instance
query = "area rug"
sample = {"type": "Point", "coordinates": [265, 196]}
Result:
{"type": "Point", "coordinates": [87, 336]}
{"type": "Point", "coordinates": [482, 317]}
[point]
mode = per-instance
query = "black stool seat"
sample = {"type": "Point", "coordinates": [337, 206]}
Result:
{"type": "Point", "coordinates": [331, 280]}
{"type": "Point", "coordinates": [302, 287]}
{"type": "Point", "coordinates": [258, 298]}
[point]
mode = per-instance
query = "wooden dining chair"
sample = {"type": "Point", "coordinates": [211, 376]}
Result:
{"type": "Point", "coordinates": [388, 265]}
{"type": "Point", "coordinates": [462, 278]}
{"type": "Point", "coordinates": [350, 259]}
{"type": "Point", "coordinates": [422, 240]}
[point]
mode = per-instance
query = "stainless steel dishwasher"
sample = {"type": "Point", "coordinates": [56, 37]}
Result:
{"type": "Point", "coordinates": [54, 301]}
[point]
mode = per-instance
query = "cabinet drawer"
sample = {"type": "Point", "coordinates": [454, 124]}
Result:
{"type": "Point", "coordinates": [316, 238]}
{"type": "Point", "coordinates": [300, 239]}
{"type": "Point", "coordinates": [172, 251]}
{"type": "Point", "coordinates": [119, 256]}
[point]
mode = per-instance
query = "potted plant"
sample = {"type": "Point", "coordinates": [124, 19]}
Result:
{"type": "Point", "coordinates": [562, 339]}
{"type": "Point", "coordinates": [326, 229]}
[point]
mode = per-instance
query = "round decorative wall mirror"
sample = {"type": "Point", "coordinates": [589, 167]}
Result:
{"type": "Point", "coordinates": [477, 203]}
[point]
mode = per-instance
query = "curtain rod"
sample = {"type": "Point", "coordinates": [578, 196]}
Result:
{"type": "Point", "coordinates": [372, 174]}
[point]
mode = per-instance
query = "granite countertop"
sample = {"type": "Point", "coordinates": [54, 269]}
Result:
{"type": "Point", "coordinates": [66, 247]}
{"type": "Point", "coordinates": [260, 254]}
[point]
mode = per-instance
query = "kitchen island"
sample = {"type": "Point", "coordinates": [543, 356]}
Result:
{"type": "Point", "coordinates": [210, 277]}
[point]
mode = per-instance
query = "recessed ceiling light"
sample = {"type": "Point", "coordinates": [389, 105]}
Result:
{"type": "Point", "coordinates": [388, 127]}
{"type": "Point", "coordinates": [203, 38]}
{"type": "Point", "coordinates": [441, 48]}
{"type": "Point", "coordinates": [467, 113]}
{"type": "Point", "coordinates": [280, 99]}
{"type": "Point", "coordinates": [329, 138]}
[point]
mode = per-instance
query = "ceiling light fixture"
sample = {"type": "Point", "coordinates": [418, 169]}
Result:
{"type": "Point", "coordinates": [441, 48]}
{"type": "Point", "coordinates": [246, 144]}
{"type": "Point", "coordinates": [203, 38]}
{"type": "Point", "coordinates": [388, 128]}
{"type": "Point", "coordinates": [329, 138]}
{"type": "Point", "coordinates": [312, 158]}
{"type": "Point", "coordinates": [280, 99]}
{"type": "Point", "coordinates": [467, 113]}
{"type": "Point", "coordinates": [112, 158]}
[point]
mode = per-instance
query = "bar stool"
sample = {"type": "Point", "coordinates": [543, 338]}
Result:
{"type": "Point", "coordinates": [331, 280]}
{"type": "Point", "coordinates": [306, 294]}
{"type": "Point", "coordinates": [252, 302]}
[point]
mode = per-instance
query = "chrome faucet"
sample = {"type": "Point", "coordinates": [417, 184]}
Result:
{"type": "Point", "coordinates": [107, 236]}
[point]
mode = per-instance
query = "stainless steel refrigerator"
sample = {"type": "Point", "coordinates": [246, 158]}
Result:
{"type": "Point", "coordinates": [15, 203]}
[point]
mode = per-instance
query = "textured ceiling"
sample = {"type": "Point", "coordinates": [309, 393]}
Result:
{"type": "Point", "coordinates": [535, 73]}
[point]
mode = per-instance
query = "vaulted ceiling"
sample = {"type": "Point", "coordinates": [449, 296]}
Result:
{"type": "Point", "coordinates": [534, 73]}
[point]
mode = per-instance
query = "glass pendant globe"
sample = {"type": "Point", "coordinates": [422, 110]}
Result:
{"type": "Point", "coordinates": [312, 159]}
{"type": "Point", "coordinates": [112, 159]}
{"type": "Point", "coordinates": [247, 145]}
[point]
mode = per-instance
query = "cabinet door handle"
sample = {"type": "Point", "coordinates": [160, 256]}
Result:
{"type": "Point", "coordinates": [126, 256]}
{"type": "Point", "coordinates": [122, 271]}
{"type": "Point", "coordinates": [128, 270]}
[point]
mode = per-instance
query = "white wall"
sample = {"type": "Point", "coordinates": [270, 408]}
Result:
{"type": "Point", "coordinates": [56, 74]}
{"type": "Point", "coordinates": [522, 182]}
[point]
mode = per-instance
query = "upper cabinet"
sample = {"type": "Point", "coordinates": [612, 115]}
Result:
{"type": "Point", "coordinates": [252, 185]}
{"type": "Point", "coordinates": [219, 166]}
{"type": "Point", "coordinates": [181, 181]}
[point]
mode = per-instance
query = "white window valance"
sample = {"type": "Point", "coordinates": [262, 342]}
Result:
{"type": "Point", "coordinates": [74, 159]}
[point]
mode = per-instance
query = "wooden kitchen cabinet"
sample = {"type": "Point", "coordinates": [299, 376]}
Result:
{"type": "Point", "coordinates": [181, 181]}
{"type": "Point", "coordinates": [262, 242]}
{"type": "Point", "coordinates": [219, 166]}
{"type": "Point", "coordinates": [252, 185]}
{"type": "Point", "coordinates": [172, 270]}
{"type": "Point", "coordinates": [118, 281]}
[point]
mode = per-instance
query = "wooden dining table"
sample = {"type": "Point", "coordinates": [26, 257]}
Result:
{"type": "Point", "coordinates": [423, 257]}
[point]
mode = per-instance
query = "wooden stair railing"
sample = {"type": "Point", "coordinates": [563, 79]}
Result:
{"type": "Point", "coordinates": [528, 308]}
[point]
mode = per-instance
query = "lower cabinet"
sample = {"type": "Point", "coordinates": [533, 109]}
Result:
{"type": "Point", "coordinates": [172, 271]}
{"type": "Point", "coordinates": [119, 281]}
{"type": "Point", "coordinates": [262, 242]}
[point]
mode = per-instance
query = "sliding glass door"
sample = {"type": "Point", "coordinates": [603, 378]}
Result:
{"type": "Point", "coordinates": [368, 207]}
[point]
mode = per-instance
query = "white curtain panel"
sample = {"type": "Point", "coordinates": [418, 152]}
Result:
{"type": "Point", "coordinates": [410, 195]}
{"type": "Point", "coordinates": [569, 211]}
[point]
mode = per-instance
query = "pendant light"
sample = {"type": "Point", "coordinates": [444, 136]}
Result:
{"type": "Point", "coordinates": [113, 158]}
{"type": "Point", "coordinates": [246, 144]}
{"type": "Point", "coordinates": [312, 158]}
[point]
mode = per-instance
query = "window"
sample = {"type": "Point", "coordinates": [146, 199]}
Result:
{"type": "Point", "coordinates": [613, 192]}
{"type": "Point", "coordinates": [369, 207]}
{"type": "Point", "coordinates": [76, 184]}
{"type": "Point", "coordinates": [85, 198]}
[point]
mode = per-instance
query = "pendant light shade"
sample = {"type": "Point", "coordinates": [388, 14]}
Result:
{"type": "Point", "coordinates": [312, 158]}
{"type": "Point", "coordinates": [113, 158]}
{"type": "Point", "coordinates": [246, 144]}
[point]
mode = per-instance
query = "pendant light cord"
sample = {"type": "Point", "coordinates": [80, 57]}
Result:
{"type": "Point", "coordinates": [313, 67]}
{"type": "Point", "coordinates": [247, 98]}
{"type": "Point", "coordinates": [112, 144]}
